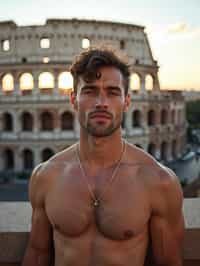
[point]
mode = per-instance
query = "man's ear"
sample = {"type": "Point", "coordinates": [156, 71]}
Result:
{"type": "Point", "coordinates": [127, 102]}
{"type": "Point", "coordinates": [73, 99]}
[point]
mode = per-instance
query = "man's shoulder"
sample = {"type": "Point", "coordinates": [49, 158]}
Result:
{"type": "Point", "coordinates": [45, 173]}
{"type": "Point", "coordinates": [151, 168]}
{"type": "Point", "coordinates": [55, 164]}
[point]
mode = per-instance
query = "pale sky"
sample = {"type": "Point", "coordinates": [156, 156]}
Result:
{"type": "Point", "coordinates": [173, 28]}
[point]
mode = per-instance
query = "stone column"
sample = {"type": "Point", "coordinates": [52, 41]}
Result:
{"type": "Point", "coordinates": [17, 90]}
{"type": "Point", "coordinates": [16, 121]}
{"type": "Point", "coordinates": [37, 158]}
{"type": "Point", "coordinates": [18, 160]}
{"type": "Point", "coordinates": [56, 89]}
{"type": "Point", "coordinates": [156, 83]}
{"type": "Point", "coordinates": [142, 86]}
{"type": "Point", "coordinates": [36, 90]}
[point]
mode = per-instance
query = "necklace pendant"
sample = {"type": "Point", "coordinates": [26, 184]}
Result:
{"type": "Point", "coordinates": [96, 203]}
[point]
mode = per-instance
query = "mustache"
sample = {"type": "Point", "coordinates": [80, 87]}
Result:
{"type": "Point", "coordinates": [104, 113]}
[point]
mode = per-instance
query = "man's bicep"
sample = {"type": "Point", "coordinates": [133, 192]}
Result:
{"type": "Point", "coordinates": [167, 222]}
{"type": "Point", "coordinates": [167, 239]}
{"type": "Point", "coordinates": [41, 231]}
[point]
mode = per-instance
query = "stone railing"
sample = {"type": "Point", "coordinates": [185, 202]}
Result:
{"type": "Point", "coordinates": [15, 220]}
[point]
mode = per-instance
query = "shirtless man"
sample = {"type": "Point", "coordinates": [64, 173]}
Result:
{"type": "Point", "coordinates": [102, 201]}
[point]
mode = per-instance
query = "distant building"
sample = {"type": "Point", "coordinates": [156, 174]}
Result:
{"type": "Point", "coordinates": [191, 95]}
{"type": "Point", "coordinates": [36, 119]}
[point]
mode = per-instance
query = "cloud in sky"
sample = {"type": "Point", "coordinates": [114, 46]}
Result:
{"type": "Point", "coordinates": [183, 29]}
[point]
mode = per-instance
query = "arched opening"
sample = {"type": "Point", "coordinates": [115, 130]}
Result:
{"type": "Point", "coordinates": [46, 82]}
{"type": "Point", "coordinates": [164, 117]}
{"type": "Point", "coordinates": [67, 121]}
{"type": "Point", "coordinates": [136, 118]}
{"type": "Point", "coordinates": [28, 160]}
{"type": "Point", "coordinates": [134, 82]}
{"type": "Point", "coordinates": [27, 121]}
{"type": "Point", "coordinates": [85, 43]}
{"type": "Point", "coordinates": [26, 83]}
{"type": "Point", "coordinates": [151, 118]}
{"type": "Point", "coordinates": [152, 149]}
{"type": "Point", "coordinates": [7, 122]}
{"type": "Point", "coordinates": [65, 82]}
{"type": "Point", "coordinates": [8, 160]}
{"type": "Point", "coordinates": [46, 121]}
{"type": "Point", "coordinates": [163, 151]}
{"type": "Point", "coordinates": [8, 83]}
{"type": "Point", "coordinates": [149, 82]}
{"type": "Point", "coordinates": [46, 154]}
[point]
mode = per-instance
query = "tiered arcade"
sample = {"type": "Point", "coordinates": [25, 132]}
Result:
{"type": "Point", "coordinates": [36, 118]}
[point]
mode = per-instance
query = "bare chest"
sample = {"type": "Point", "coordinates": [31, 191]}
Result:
{"type": "Point", "coordinates": [122, 213]}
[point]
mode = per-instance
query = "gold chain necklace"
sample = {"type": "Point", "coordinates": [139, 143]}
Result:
{"type": "Point", "coordinates": [96, 201]}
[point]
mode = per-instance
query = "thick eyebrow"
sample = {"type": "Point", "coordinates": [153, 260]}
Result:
{"type": "Point", "coordinates": [86, 87]}
{"type": "Point", "coordinates": [116, 88]}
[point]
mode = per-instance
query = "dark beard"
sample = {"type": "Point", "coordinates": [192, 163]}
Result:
{"type": "Point", "coordinates": [99, 131]}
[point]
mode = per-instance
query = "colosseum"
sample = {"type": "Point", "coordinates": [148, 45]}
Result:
{"type": "Point", "coordinates": [36, 119]}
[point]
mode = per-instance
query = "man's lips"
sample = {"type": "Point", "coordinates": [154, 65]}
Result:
{"type": "Point", "coordinates": [100, 115]}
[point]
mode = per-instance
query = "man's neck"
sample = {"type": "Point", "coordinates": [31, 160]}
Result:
{"type": "Point", "coordinates": [104, 151]}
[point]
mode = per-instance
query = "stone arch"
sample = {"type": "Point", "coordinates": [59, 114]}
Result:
{"type": "Point", "coordinates": [164, 117]}
{"type": "Point", "coordinates": [163, 151]}
{"type": "Point", "coordinates": [28, 159]}
{"type": "Point", "coordinates": [9, 162]}
{"type": "Point", "coordinates": [27, 121]}
{"type": "Point", "coordinates": [8, 82]}
{"type": "Point", "coordinates": [152, 149]}
{"type": "Point", "coordinates": [136, 118]}
{"type": "Point", "coordinates": [7, 122]}
{"type": "Point", "coordinates": [46, 154]}
{"type": "Point", "coordinates": [46, 80]}
{"type": "Point", "coordinates": [135, 82]}
{"type": "Point", "coordinates": [26, 81]}
{"type": "Point", "coordinates": [67, 121]}
{"type": "Point", "coordinates": [151, 117]}
{"type": "Point", "coordinates": [47, 122]}
{"type": "Point", "coordinates": [149, 82]}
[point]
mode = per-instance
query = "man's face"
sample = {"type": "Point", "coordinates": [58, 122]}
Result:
{"type": "Point", "coordinates": [100, 103]}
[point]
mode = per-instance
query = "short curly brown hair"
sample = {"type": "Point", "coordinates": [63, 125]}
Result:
{"type": "Point", "coordinates": [89, 61]}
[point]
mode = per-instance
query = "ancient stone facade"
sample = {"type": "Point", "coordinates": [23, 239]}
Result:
{"type": "Point", "coordinates": [36, 119]}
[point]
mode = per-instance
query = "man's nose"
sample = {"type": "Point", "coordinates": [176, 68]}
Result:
{"type": "Point", "coordinates": [102, 101]}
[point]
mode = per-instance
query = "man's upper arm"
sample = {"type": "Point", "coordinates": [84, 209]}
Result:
{"type": "Point", "coordinates": [167, 222]}
{"type": "Point", "coordinates": [40, 239]}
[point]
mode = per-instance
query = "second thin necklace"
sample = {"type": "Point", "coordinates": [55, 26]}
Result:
{"type": "Point", "coordinates": [96, 201]}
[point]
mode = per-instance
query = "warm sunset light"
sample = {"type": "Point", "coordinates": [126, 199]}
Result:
{"type": "Point", "coordinates": [8, 82]}
{"type": "Point", "coordinates": [26, 82]}
{"type": "Point", "coordinates": [134, 82]}
{"type": "Point", "coordinates": [46, 80]}
{"type": "Point", "coordinates": [65, 81]}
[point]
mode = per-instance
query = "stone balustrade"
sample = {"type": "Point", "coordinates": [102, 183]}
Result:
{"type": "Point", "coordinates": [15, 220]}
